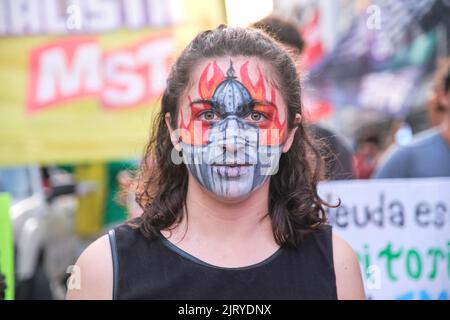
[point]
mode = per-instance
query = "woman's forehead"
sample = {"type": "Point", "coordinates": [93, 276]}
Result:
{"type": "Point", "coordinates": [248, 70]}
{"type": "Point", "coordinates": [233, 82]}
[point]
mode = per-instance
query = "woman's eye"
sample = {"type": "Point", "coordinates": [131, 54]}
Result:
{"type": "Point", "coordinates": [257, 116]}
{"type": "Point", "coordinates": [208, 116]}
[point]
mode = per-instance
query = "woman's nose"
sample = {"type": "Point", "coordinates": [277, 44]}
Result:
{"type": "Point", "coordinates": [232, 132]}
{"type": "Point", "coordinates": [233, 144]}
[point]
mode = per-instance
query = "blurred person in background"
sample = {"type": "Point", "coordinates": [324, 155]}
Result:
{"type": "Point", "coordinates": [428, 155]}
{"type": "Point", "coordinates": [367, 154]}
{"type": "Point", "coordinates": [373, 140]}
{"type": "Point", "coordinates": [337, 156]}
{"type": "Point", "coordinates": [437, 102]}
{"type": "Point", "coordinates": [285, 32]}
{"type": "Point", "coordinates": [127, 193]}
{"type": "Point", "coordinates": [230, 226]}
{"type": "Point", "coordinates": [436, 109]}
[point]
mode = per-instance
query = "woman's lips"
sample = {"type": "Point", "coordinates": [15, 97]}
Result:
{"type": "Point", "coordinates": [232, 171]}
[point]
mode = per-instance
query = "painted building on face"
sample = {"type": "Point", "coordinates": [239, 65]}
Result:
{"type": "Point", "coordinates": [231, 97]}
{"type": "Point", "coordinates": [229, 159]}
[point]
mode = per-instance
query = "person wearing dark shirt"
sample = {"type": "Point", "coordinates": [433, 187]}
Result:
{"type": "Point", "coordinates": [230, 202]}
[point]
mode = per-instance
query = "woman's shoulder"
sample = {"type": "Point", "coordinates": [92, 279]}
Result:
{"type": "Point", "coordinates": [324, 245]}
{"type": "Point", "coordinates": [347, 270]}
{"type": "Point", "coordinates": [92, 274]}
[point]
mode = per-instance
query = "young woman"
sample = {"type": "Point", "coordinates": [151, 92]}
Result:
{"type": "Point", "coordinates": [229, 193]}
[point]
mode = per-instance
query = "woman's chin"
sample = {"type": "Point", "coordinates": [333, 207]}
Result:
{"type": "Point", "coordinates": [233, 196]}
{"type": "Point", "coordinates": [232, 191]}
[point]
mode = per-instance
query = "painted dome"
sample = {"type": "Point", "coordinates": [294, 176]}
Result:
{"type": "Point", "coordinates": [231, 94]}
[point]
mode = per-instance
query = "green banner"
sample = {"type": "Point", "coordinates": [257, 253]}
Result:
{"type": "Point", "coordinates": [6, 245]}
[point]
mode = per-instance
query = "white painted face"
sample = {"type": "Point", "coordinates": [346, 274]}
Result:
{"type": "Point", "coordinates": [232, 127]}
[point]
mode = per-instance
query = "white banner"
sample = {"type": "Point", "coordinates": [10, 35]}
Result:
{"type": "Point", "coordinates": [400, 230]}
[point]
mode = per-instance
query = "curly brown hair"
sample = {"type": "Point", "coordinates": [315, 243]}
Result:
{"type": "Point", "coordinates": [295, 207]}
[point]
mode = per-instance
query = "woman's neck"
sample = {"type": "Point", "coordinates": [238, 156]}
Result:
{"type": "Point", "coordinates": [226, 222]}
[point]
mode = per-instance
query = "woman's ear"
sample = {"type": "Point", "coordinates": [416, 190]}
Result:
{"type": "Point", "coordinates": [290, 138]}
{"type": "Point", "coordinates": [173, 133]}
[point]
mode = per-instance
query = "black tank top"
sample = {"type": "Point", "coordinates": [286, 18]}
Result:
{"type": "Point", "coordinates": [157, 269]}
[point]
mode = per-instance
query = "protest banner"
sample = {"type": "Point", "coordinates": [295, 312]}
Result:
{"type": "Point", "coordinates": [81, 80]}
{"type": "Point", "coordinates": [400, 230]}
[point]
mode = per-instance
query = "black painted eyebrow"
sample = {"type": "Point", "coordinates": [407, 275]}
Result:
{"type": "Point", "coordinates": [254, 103]}
{"type": "Point", "coordinates": [204, 101]}
{"type": "Point", "coordinates": [250, 105]}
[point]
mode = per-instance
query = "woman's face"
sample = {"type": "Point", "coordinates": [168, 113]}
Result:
{"type": "Point", "coordinates": [232, 123]}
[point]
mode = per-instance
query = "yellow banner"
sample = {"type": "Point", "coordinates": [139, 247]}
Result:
{"type": "Point", "coordinates": [83, 85]}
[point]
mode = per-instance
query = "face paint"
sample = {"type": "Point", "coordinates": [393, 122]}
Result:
{"type": "Point", "coordinates": [233, 138]}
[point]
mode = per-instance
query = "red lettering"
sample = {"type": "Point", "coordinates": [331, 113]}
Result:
{"type": "Point", "coordinates": [77, 67]}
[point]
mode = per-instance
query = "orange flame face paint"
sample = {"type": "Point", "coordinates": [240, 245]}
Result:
{"type": "Point", "coordinates": [273, 130]}
{"type": "Point", "coordinates": [207, 87]}
{"type": "Point", "coordinates": [195, 130]}
{"type": "Point", "coordinates": [233, 137]}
